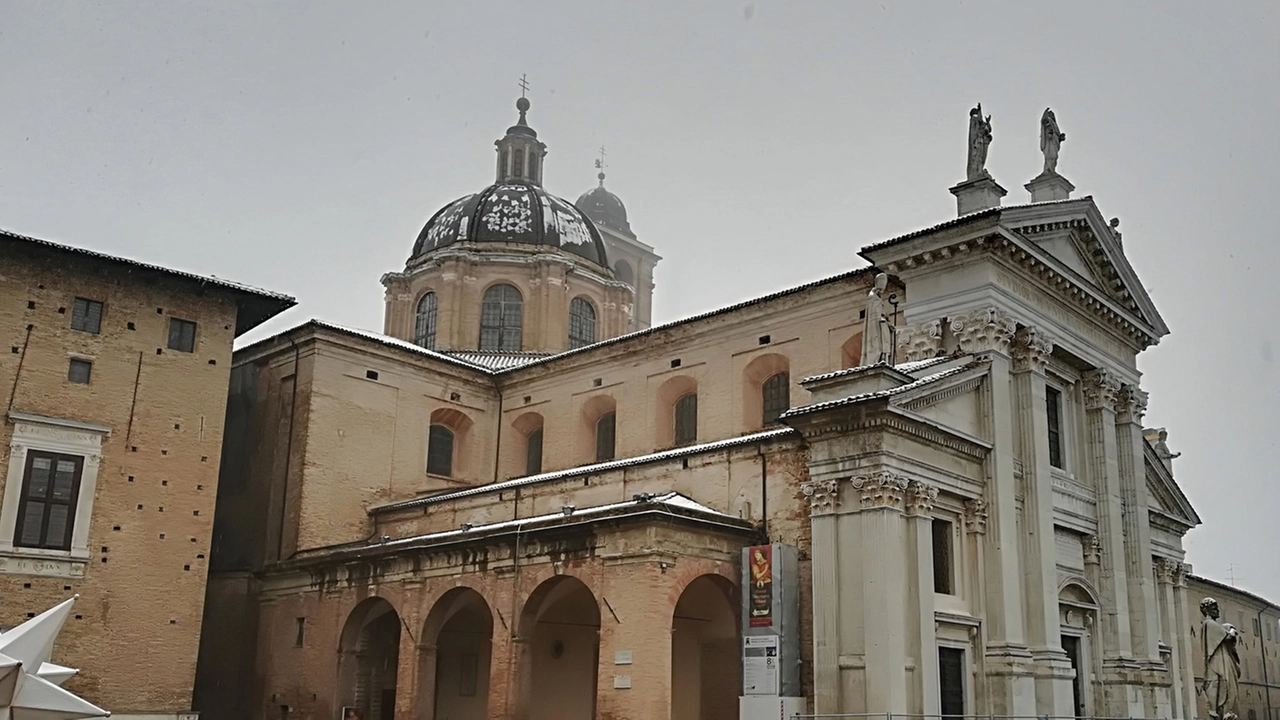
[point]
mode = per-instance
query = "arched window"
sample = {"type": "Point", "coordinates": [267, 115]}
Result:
{"type": "Point", "coordinates": [440, 451]}
{"type": "Point", "coordinates": [500, 320]}
{"type": "Point", "coordinates": [606, 428]}
{"type": "Point", "coordinates": [424, 326]}
{"type": "Point", "coordinates": [775, 397]}
{"type": "Point", "coordinates": [517, 168]}
{"type": "Point", "coordinates": [533, 453]}
{"type": "Point", "coordinates": [686, 425]}
{"type": "Point", "coordinates": [533, 166]}
{"type": "Point", "coordinates": [582, 323]}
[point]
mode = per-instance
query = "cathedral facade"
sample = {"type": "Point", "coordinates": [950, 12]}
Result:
{"type": "Point", "coordinates": [521, 500]}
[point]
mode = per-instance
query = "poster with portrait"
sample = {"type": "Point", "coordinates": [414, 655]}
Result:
{"type": "Point", "coordinates": [761, 590]}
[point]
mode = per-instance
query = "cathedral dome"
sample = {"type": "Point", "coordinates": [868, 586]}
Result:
{"type": "Point", "coordinates": [604, 207]}
{"type": "Point", "coordinates": [513, 212]}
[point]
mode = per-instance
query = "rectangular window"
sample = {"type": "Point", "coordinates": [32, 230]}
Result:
{"type": "Point", "coordinates": [300, 630]}
{"type": "Point", "coordinates": [942, 558]}
{"type": "Point", "coordinates": [605, 428]}
{"type": "Point", "coordinates": [533, 453]}
{"type": "Point", "coordinates": [1257, 627]}
{"type": "Point", "coordinates": [440, 451]}
{"type": "Point", "coordinates": [951, 682]}
{"type": "Point", "coordinates": [46, 514]}
{"type": "Point", "coordinates": [79, 370]}
{"type": "Point", "coordinates": [1053, 407]}
{"type": "Point", "coordinates": [182, 335]}
{"type": "Point", "coordinates": [86, 316]}
{"type": "Point", "coordinates": [686, 411]}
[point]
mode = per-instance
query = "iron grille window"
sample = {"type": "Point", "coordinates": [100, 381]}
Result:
{"type": "Point", "coordinates": [500, 319]}
{"type": "Point", "coordinates": [605, 428]}
{"type": "Point", "coordinates": [440, 451]}
{"type": "Point", "coordinates": [776, 397]}
{"type": "Point", "coordinates": [424, 326]}
{"type": "Point", "coordinates": [46, 514]}
{"type": "Point", "coordinates": [533, 453]}
{"type": "Point", "coordinates": [86, 316]}
{"type": "Point", "coordinates": [687, 420]}
{"type": "Point", "coordinates": [1053, 407]}
{"type": "Point", "coordinates": [79, 370]}
{"type": "Point", "coordinates": [582, 323]}
{"type": "Point", "coordinates": [182, 335]}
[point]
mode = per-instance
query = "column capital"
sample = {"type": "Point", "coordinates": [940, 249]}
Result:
{"type": "Point", "coordinates": [1100, 389]}
{"type": "Point", "coordinates": [881, 489]}
{"type": "Point", "coordinates": [921, 341]}
{"type": "Point", "coordinates": [1031, 350]}
{"type": "Point", "coordinates": [1166, 570]}
{"type": "Point", "coordinates": [920, 498]}
{"type": "Point", "coordinates": [824, 496]}
{"type": "Point", "coordinates": [1180, 577]}
{"type": "Point", "coordinates": [975, 516]}
{"type": "Point", "coordinates": [988, 329]}
{"type": "Point", "coordinates": [1131, 405]}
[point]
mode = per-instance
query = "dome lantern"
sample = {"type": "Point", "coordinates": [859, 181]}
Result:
{"type": "Point", "coordinates": [520, 153]}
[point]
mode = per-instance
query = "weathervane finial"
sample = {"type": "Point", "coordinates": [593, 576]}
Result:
{"type": "Point", "coordinates": [524, 84]}
{"type": "Point", "coordinates": [600, 165]}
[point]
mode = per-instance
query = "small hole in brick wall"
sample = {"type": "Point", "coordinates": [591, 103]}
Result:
{"type": "Point", "coordinates": [161, 508]}
{"type": "Point", "coordinates": [173, 622]}
{"type": "Point", "coordinates": [597, 382]}
{"type": "Point", "coordinates": [177, 426]}
{"type": "Point", "coordinates": [213, 362]}
{"type": "Point", "coordinates": [159, 351]}
{"type": "Point", "coordinates": [104, 560]}
{"type": "Point", "coordinates": [62, 311]}
{"type": "Point", "coordinates": [115, 528]}
{"type": "Point", "coordinates": [161, 536]}
{"type": "Point", "coordinates": [133, 448]}
{"type": "Point", "coordinates": [199, 556]}
{"type": "Point", "coordinates": [200, 487]}
{"type": "Point", "coordinates": [14, 349]}
{"type": "Point", "coordinates": [66, 587]}
{"type": "Point", "coordinates": [186, 568]}
{"type": "Point", "coordinates": [104, 548]}
{"type": "Point", "coordinates": [371, 374]}
{"type": "Point", "coordinates": [41, 286]}
{"type": "Point", "coordinates": [159, 311]}
{"type": "Point", "coordinates": [31, 615]}
{"type": "Point", "coordinates": [527, 398]}
{"type": "Point", "coordinates": [765, 340]}
{"type": "Point", "coordinates": [164, 482]}
{"type": "Point", "coordinates": [130, 478]}
{"type": "Point", "coordinates": [586, 481]}
{"type": "Point", "coordinates": [139, 507]}
{"type": "Point", "coordinates": [26, 586]}
{"type": "Point", "coordinates": [79, 617]}
{"type": "Point", "coordinates": [204, 458]}
{"type": "Point", "coordinates": [31, 304]}
{"type": "Point", "coordinates": [455, 397]}
{"type": "Point", "coordinates": [675, 363]}
{"type": "Point", "coordinates": [193, 539]}
{"type": "Point", "coordinates": [164, 452]}
{"type": "Point", "coordinates": [684, 462]}
{"type": "Point", "coordinates": [130, 326]}
{"type": "Point", "coordinates": [195, 512]}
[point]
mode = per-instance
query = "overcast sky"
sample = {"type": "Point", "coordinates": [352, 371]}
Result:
{"type": "Point", "coordinates": [301, 146]}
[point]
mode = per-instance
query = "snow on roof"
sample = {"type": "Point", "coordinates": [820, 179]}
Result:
{"type": "Point", "coordinates": [908, 368]}
{"type": "Point", "coordinates": [965, 219]}
{"type": "Point", "coordinates": [494, 360]}
{"type": "Point", "coordinates": [671, 500]}
{"type": "Point", "coordinates": [587, 469]}
{"type": "Point", "coordinates": [920, 382]}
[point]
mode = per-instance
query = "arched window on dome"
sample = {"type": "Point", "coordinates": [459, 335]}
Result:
{"type": "Point", "coordinates": [582, 323]}
{"type": "Point", "coordinates": [500, 319]}
{"type": "Point", "coordinates": [424, 325]}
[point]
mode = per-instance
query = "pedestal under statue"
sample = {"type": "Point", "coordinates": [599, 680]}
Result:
{"type": "Point", "coordinates": [1221, 663]}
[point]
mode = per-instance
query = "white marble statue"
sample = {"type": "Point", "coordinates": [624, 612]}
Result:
{"type": "Point", "coordinates": [1221, 685]}
{"type": "Point", "coordinates": [876, 343]}
{"type": "Point", "coordinates": [1051, 139]}
{"type": "Point", "coordinates": [979, 140]}
{"type": "Point", "coordinates": [29, 683]}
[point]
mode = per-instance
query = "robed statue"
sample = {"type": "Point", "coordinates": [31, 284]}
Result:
{"type": "Point", "coordinates": [876, 343]}
{"type": "Point", "coordinates": [1221, 663]}
{"type": "Point", "coordinates": [1051, 139]}
{"type": "Point", "coordinates": [979, 140]}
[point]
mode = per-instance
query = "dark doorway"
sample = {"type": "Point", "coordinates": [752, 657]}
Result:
{"type": "Point", "coordinates": [951, 681]}
{"type": "Point", "coordinates": [387, 709]}
{"type": "Point", "coordinates": [1071, 644]}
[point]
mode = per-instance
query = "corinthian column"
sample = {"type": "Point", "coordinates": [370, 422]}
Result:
{"type": "Point", "coordinates": [1052, 670]}
{"type": "Point", "coordinates": [919, 516]}
{"type": "Point", "coordinates": [882, 538]}
{"type": "Point", "coordinates": [824, 500]}
{"type": "Point", "coordinates": [1131, 403]}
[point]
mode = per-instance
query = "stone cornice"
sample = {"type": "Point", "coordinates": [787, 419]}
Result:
{"type": "Point", "coordinates": [886, 418]}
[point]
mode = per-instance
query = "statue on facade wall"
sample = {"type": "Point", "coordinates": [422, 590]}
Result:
{"type": "Point", "coordinates": [1051, 139]}
{"type": "Point", "coordinates": [876, 343]}
{"type": "Point", "coordinates": [979, 140]}
{"type": "Point", "coordinates": [1221, 663]}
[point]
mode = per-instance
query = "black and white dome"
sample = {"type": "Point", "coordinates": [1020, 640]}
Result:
{"type": "Point", "coordinates": [605, 208]}
{"type": "Point", "coordinates": [513, 212]}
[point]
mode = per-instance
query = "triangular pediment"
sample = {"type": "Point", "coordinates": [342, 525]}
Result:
{"type": "Point", "coordinates": [1164, 493]}
{"type": "Point", "coordinates": [1080, 242]}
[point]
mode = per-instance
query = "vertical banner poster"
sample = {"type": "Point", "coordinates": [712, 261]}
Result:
{"type": "Point", "coordinates": [761, 590]}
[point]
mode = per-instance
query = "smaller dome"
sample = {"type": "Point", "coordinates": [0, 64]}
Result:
{"type": "Point", "coordinates": [605, 208]}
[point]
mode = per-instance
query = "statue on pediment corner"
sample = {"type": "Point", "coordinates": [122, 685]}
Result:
{"type": "Point", "coordinates": [1051, 139]}
{"type": "Point", "coordinates": [979, 141]}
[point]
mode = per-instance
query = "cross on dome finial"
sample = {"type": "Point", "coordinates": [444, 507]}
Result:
{"type": "Point", "coordinates": [523, 103]}
{"type": "Point", "coordinates": [600, 165]}
{"type": "Point", "coordinates": [524, 84]}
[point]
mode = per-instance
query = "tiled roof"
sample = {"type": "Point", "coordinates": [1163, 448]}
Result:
{"type": "Point", "coordinates": [963, 219]}
{"type": "Point", "coordinates": [907, 367]}
{"type": "Point", "coordinates": [1234, 589]}
{"type": "Point", "coordinates": [260, 304]}
{"type": "Point", "coordinates": [496, 361]}
{"type": "Point", "coordinates": [587, 469]}
{"type": "Point", "coordinates": [921, 382]}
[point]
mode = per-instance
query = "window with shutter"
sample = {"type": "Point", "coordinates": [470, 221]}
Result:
{"type": "Point", "coordinates": [86, 316]}
{"type": "Point", "coordinates": [440, 451]}
{"type": "Point", "coordinates": [686, 426]}
{"type": "Point", "coordinates": [533, 453]}
{"type": "Point", "coordinates": [775, 397]}
{"type": "Point", "coordinates": [605, 428]}
{"type": "Point", "coordinates": [50, 486]}
{"type": "Point", "coordinates": [182, 335]}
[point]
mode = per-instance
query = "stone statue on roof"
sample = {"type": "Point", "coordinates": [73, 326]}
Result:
{"type": "Point", "coordinates": [1051, 139]}
{"type": "Point", "coordinates": [876, 343]}
{"type": "Point", "coordinates": [1221, 684]}
{"type": "Point", "coordinates": [979, 140]}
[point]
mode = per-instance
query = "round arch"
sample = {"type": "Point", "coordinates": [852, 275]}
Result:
{"type": "Point", "coordinates": [705, 675]}
{"type": "Point", "coordinates": [754, 376]}
{"type": "Point", "coordinates": [597, 443]}
{"type": "Point", "coordinates": [559, 660]}
{"type": "Point", "coordinates": [369, 659]}
{"type": "Point", "coordinates": [455, 655]}
{"type": "Point", "coordinates": [669, 393]}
